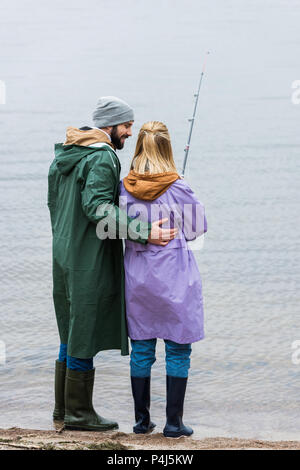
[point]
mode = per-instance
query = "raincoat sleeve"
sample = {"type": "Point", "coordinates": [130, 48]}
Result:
{"type": "Point", "coordinates": [98, 198]}
{"type": "Point", "coordinates": [193, 219]}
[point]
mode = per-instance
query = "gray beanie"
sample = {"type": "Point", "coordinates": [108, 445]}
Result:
{"type": "Point", "coordinates": [111, 111]}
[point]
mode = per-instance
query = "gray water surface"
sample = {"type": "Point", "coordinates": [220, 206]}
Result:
{"type": "Point", "coordinates": [56, 59]}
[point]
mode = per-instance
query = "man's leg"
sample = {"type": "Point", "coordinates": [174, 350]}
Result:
{"type": "Point", "coordinates": [82, 365]}
{"type": "Point", "coordinates": [141, 360]}
{"type": "Point", "coordinates": [62, 312]}
{"type": "Point", "coordinates": [80, 413]}
{"type": "Point", "coordinates": [177, 366]}
{"type": "Point", "coordinates": [62, 355]}
{"type": "Point", "coordinates": [59, 388]}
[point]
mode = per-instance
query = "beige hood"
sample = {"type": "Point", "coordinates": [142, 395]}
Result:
{"type": "Point", "coordinates": [85, 138]}
{"type": "Point", "coordinates": [149, 186]}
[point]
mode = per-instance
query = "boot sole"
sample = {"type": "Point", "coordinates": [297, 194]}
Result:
{"type": "Point", "coordinates": [90, 428]}
{"type": "Point", "coordinates": [145, 432]}
{"type": "Point", "coordinates": [176, 435]}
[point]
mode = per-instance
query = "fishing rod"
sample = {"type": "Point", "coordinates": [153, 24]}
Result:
{"type": "Point", "coordinates": [187, 148]}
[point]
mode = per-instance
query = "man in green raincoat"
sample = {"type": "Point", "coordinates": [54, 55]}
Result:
{"type": "Point", "coordinates": [88, 275]}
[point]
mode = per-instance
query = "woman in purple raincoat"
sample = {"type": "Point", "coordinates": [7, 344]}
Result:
{"type": "Point", "coordinates": [162, 284]}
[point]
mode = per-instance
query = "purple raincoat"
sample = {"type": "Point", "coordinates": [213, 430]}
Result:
{"type": "Point", "coordinates": [163, 288]}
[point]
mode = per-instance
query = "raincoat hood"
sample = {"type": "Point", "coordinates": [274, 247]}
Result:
{"type": "Point", "coordinates": [148, 186]}
{"type": "Point", "coordinates": [86, 137]}
{"type": "Point", "coordinates": [77, 147]}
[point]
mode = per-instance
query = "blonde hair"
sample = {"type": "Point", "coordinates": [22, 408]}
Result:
{"type": "Point", "coordinates": [153, 151]}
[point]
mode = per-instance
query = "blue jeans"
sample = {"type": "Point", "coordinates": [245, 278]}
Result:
{"type": "Point", "coordinates": [142, 358]}
{"type": "Point", "coordinates": [74, 363]}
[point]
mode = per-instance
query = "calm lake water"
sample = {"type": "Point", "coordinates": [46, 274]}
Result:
{"type": "Point", "coordinates": [56, 59]}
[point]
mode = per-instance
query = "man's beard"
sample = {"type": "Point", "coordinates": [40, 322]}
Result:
{"type": "Point", "coordinates": [116, 140]}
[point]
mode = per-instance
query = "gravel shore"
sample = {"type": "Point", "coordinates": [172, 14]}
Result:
{"type": "Point", "coordinates": [32, 439]}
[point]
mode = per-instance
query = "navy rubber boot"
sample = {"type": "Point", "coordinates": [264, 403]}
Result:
{"type": "Point", "coordinates": [174, 427]}
{"type": "Point", "coordinates": [141, 395]}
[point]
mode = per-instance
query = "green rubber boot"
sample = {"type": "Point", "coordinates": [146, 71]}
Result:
{"type": "Point", "coordinates": [80, 413]}
{"type": "Point", "coordinates": [59, 391]}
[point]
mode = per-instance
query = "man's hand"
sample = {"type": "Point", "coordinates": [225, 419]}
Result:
{"type": "Point", "coordinates": [161, 236]}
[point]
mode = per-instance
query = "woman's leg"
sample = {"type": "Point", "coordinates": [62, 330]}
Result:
{"type": "Point", "coordinates": [177, 366]}
{"type": "Point", "coordinates": [177, 359]}
{"type": "Point", "coordinates": [142, 358]}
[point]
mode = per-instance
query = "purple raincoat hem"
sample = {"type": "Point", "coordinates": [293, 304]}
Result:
{"type": "Point", "coordinates": [185, 341]}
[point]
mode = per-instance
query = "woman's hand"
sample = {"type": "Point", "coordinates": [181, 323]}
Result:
{"type": "Point", "coordinates": [161, 236]}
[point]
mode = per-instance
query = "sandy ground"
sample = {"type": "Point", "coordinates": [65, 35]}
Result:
{"type": "Point", "coordinates": [20, 439]}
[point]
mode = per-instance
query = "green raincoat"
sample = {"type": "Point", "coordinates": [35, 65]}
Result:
{"type": "Point", "coordinates": [88, 276]}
